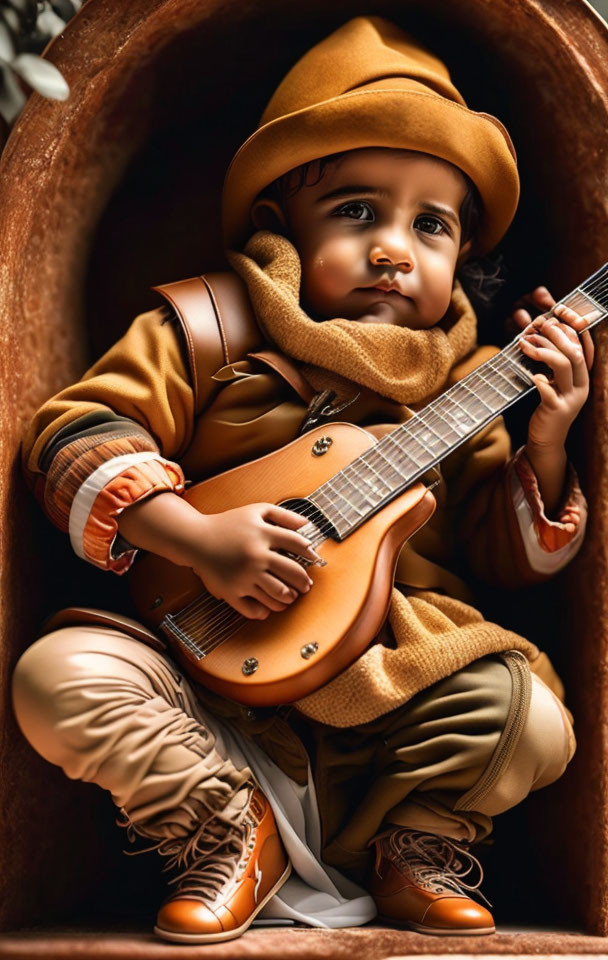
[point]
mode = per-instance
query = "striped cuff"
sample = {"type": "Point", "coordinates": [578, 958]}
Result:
{"type": "Point", "coordinates": [103, 496]}
{"type": "Point", "coordinates": [549, 544]}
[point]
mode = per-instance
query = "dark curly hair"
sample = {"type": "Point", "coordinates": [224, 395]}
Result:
{"type": "Point", "coordinates": [481, 277]}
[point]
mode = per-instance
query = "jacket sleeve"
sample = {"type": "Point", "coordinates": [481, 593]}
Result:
{"type": "Point", "coordinates": [499, 516]}
{"type": "Point", "coordinates": [113, 438]}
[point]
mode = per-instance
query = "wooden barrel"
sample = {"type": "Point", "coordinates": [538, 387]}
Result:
{"type": "Point", "coordinates": [118, 188]}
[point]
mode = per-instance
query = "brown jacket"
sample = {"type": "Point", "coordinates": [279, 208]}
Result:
{"type": "Point", "coordinates": [244, 406]}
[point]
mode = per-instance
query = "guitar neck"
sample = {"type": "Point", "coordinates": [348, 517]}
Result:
{"type": "Point", "coordinates": [375, 478]}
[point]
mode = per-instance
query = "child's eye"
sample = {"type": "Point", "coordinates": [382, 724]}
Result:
{"type": "Point", "coordinates": [431, 225]}
{"type": "Point", "coordinates": [356, 210]}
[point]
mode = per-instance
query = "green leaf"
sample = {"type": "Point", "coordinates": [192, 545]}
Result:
{"type": "Point", "coordinates": [41, 75]}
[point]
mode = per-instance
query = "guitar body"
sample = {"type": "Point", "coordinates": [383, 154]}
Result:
{"type": "Point", "coordinates": [296, 651]}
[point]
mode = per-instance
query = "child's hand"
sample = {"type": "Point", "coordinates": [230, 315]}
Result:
{"type": "Point", "coordinates": [560, 342]}
{"type": "Point", "coordinates": [236, 555]}
{"type": "Point", "coordinates": [539, 301]}
{"type": "Point", "coordinates": [554, 341]}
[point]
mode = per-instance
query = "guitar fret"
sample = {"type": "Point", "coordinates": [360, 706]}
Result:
{"type": "Point", "coordinates": [402, 455]}
{"type": "Point", "coordinates": [333, 502]}
{"type": "Point", "coordinates": [374, 471]}
{"type": "Point", "coordinates": [518, 367]}
{"type": "Point", "coordinates": [505, 378]}
{"type": "Point", "coordinates": [420, 448]}
{"type": "Point", "coordinates": [479, 398]}
{"type": "Point", "coordinates": [584, 302]}
{"type": "Point", "coordinates": [427, 429]}
{"type": "Point", "coordinates": [407, 452]}
{"type": "Point", "coordinates": [362, 475]}
{"type": "Point", "coordinates": [380, 453]}
{"type": "Point", "coordinates": [447, 422]}
{"type": "Point", "coordinates": [352, 487]}
{"type": "Point", "coordinates": [492, 386]}
{"type": "Point", "coordinates": [462, 413]}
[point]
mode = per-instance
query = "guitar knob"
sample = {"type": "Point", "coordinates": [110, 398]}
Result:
{"type": "Point", "coordinates": [250, 665]}
{"type": "Point", "coordinates": [321, 446]}
{"type": "Point", "coordinates": [309, 650]}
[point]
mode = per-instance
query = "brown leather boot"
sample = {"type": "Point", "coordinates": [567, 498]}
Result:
{"type": "Point", "coordinates": [418, 882]}
{"type": "Point", "coordinates": [223, 875]}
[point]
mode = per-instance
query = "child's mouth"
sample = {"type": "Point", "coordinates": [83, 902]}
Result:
{"type": "Point", "coordinates": [386, 293]}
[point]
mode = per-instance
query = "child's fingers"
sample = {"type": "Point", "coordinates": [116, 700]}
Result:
{"type": "Point", "coordinates": [558, 346]}
{"type": "Point", "coordinates": [571, 325]}
{"type": "Point", "coordinates": [289, 572]}
{"type": "Point", "coordinates": [282, 516]}
{"type": "Point", "coordinates": [558, 362]}
{"type": "Point", "coordinates": [544, 387]}
{"type": "Point", "coordinates": [284, 535]}
{"type": "Point", "coordinates": [522, 318]}
{"type": "Point", "coordinates": [539, 299]}
{"type": "Point", "coordinates": [292, 542]}
{"type": "Point", "coordinates": [272, 593]}
{"type": "Point", "coordinates": [561, 336]}
{"type": "Point", "coordinates": [579, 324]}
{"type": "Point", "coordinates": [276, 588]}
{"type": "Point", "coordinates": [250, 608]}
{"type": "Point", "coordinates": [588, 348]}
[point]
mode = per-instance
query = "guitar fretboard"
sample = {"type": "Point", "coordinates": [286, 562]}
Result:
{"type": "Point", "coordinates": [357, 491]}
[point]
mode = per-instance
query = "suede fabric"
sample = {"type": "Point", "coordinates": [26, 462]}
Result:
{"type": "Point", "coordinates": [111, 711]}
{"type": "Point", "coordinates": [371, 85]}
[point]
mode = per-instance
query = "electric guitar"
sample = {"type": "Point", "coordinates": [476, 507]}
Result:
{"type": "Point", "coordinates": [363, 499]}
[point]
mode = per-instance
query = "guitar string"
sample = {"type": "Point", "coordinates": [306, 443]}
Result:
{"type": "Point", "coordinates": [229, 619]}
{"type": "Point", "coordinates": [195, 612]}
{"type": "Point", "coordinates": [228, 612]}
{"type": "Point", "coordinates": [409, 456]}
{"type": "Point", "coordinates": [213, 600]}
{"type": "Point", "coordinates": [505, 359]}
{"type": "Point", "coordinates": [594, 279]}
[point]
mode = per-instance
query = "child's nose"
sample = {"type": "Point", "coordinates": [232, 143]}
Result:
{"type": "Point", "coordinates": [393, 249]}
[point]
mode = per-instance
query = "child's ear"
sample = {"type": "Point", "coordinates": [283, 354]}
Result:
{"type": "Point", "coordinates": [463, 253]}
{"type": "Point", "coordinates": [266, 214]}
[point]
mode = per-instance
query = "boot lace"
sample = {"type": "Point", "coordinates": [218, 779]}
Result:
{"type": "Point", "coordinates": [437, 863]}
{"type": "Point", "coordinates": [208, 861]}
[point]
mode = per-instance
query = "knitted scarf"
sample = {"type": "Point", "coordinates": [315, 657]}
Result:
{"type": "Point", "coordinates": [409, 366]}
{"type": "Point", "coordinates": [434, 635]}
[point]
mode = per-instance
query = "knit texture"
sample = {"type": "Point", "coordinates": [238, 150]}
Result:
{"type": "Point", "coordinates": [434, 634]}
{"type": "Point", "coordinates": [405, 365]}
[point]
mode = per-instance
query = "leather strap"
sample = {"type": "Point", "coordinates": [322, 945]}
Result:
{"type": "Point", "coordinates": [78, 616]}
{"type": "Point", "coordinates": [218, 324]}
{"type": "Point", "coordinates": [287, 369]}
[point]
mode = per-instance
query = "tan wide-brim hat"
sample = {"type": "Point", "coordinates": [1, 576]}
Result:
{"type": "Point", "coordinates": [370, 85]}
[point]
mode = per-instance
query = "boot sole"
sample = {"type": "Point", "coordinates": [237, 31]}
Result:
{"type": "Point", "coordinates": [225, 934]}
{"type": "Point", "coordinates": [435, 932]}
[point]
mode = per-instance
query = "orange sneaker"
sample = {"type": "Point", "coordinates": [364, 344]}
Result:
{"type": "Point", "coordinates": [418, 882]}
{"type": "Point", "coordinates": [225, 874]}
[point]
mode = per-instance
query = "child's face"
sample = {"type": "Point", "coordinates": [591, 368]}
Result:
{"type": "Point", "coordinates": [379, 237]}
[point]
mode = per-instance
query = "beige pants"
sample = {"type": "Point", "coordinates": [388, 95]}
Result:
{"type": "Point", "coordinates": [109, 710]}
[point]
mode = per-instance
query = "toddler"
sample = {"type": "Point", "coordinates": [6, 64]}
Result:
{"type": "Point", "coordinates": [348, 215]}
